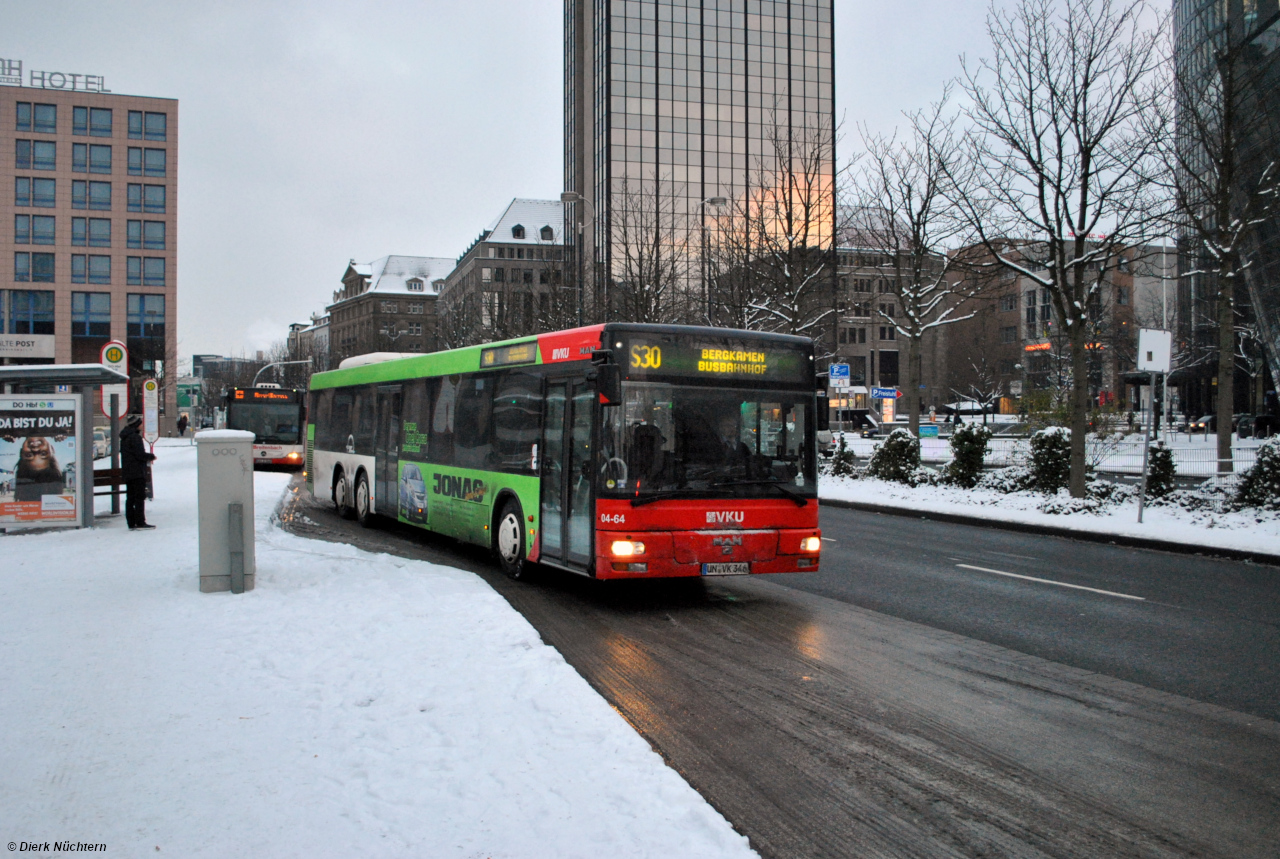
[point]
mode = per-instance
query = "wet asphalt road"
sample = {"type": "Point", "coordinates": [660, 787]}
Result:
{"type": "Point", "coordinates": [898, 705]}
{"type": "Point", "coordinates": [1202, 627]}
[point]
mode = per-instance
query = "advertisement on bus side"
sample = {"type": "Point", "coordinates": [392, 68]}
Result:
{"type": "Point", "coordinates": [459, 502]}
{"type": "Point", "coordinates": [38, 459]}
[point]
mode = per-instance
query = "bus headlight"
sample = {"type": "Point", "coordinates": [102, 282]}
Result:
{"type": "Point", "coordinates": [626, 548]}
{"type": "Point", "coordinates": [811, 544]}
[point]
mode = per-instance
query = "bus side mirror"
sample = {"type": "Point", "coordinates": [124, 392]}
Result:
{"type": "Point", "coordinates": [608, 380]}
{"type": "Point", "coordinates": [823, 412]}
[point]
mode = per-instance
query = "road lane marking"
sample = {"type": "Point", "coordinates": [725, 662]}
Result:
{"type": "Point", "coordinates": [1052, 582]}
{"type": "Point", "coordinates": [1020, 557]}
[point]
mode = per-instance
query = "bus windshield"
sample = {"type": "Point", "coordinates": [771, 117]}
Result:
{"type": "Point", "coordinates": [270, 423]}
{"type": "Point", "coordinates": [668, 438]}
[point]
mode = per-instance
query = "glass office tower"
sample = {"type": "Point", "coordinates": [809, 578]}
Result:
{"type": "Point", "coordinates": [676, 112]}
{"type": "Point", "coordinates": [1245, 33]}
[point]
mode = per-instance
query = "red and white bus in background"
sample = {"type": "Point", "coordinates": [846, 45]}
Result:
{"type": "Point", "coordinates": [276, 417]}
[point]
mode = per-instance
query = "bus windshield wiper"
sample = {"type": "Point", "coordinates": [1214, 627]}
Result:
{"type": "Point", "coordinates": [799, 500]}
{"type": "Point", "coordinates": [641, 500]}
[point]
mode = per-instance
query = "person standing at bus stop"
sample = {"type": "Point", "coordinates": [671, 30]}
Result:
{"type": "Point", "coordinates": [134, 460]}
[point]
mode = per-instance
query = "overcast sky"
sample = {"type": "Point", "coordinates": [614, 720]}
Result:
{"type": "Point", "coordinates": [316, 132]}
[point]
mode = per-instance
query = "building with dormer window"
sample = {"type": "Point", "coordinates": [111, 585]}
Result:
{"type": "Point", "coordinates": [509, 282]}
{"type": "Point", "coordinates": [388, 305]}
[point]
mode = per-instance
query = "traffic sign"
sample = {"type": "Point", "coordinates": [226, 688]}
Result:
{"type": "Point", "coordinates": [838, 375]}
{"type": "Point", "coordinates": [1155, 350]}
{"type": "Point", "coordinates": [885, 393]}
{"type": "Point", "coordinates": [115, 356]}
{"type": "Point", "coordinates": [150, 411]}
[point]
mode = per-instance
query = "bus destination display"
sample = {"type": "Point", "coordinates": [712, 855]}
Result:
{"type": "Point", "coordinates": [506, 356]}
{"type": "Point", "coordinates": [714, 360]}
{"type": "Point", "coordinates": [265, 395]}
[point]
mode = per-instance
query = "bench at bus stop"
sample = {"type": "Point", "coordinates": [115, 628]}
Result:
{"type": "Point", "coordinates": [109, 477]}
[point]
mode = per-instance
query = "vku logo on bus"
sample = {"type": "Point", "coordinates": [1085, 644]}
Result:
{"type": "Point", "coordinates": [725, 517]}
{"type": "Point", "coordinates": [462, 488]}
{"type": "Point", "coordinates": [560, 354]}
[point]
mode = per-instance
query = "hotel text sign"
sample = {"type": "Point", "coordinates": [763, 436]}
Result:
{"type": "Point", "coordinates": [11, 75]}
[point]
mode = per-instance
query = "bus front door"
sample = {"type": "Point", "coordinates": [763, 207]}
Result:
{"type": "Point", "coordinates": [567, 525]}
{"type": "Point", "coordinates": [386, 452]}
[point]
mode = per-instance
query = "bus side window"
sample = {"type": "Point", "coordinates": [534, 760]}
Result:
{"type": "Point", "coordinates": [412, 424]}
{"type": "Point", "coordinates": [340, 426]}
{"type": "Point", "coordinates": [517, 412]}
{"type": "Point", "coordinates": [366, 401]}
{"type": "Point", "coordinates": [472, 421]}
{"type": "Point", "coordinates": [321, 416]}
{"type": "Point", "coordinates": [442, 420]}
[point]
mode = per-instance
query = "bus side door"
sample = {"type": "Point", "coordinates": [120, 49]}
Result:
{"type": "Point", "coordinates": [568, 525]}
{"type": "Point", "coordinates": [386, 451]}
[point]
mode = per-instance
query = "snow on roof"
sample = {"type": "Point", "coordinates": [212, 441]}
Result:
{"type": "Point", "coordinates": [392, 274]}
{"type": "Point", "coordinates": [533, 215]}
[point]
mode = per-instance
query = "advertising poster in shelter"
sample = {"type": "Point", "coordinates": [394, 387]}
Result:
{"type": "Point", "coordinates": [38, 460]}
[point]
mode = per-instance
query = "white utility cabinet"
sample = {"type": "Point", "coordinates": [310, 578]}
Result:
{"type": "Point", "coordinates": [224, 470]}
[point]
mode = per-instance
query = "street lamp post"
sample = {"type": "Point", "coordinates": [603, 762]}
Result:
{"type": "Point", "coordinates": [575, 197]}
{"type": "Point", "coordinates": [275, 364]}
{"type": "Point", "coordinates": [702, 218]}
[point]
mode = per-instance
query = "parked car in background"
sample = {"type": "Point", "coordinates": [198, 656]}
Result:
{"type": "Point", "coordinates": [101, 447]}
{"type": "Point", "coordinates": [1206, 424]}
{"type": "Point", "coordinates": [1258, 426]}
{"type": "Point", "coordinates": [824, 439]}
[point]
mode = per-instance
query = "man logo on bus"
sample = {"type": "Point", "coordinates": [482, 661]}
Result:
{"type": "Point", "coordinates": [462, 488]}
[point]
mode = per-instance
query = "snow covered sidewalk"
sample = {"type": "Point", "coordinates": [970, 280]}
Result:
{"type": "Point", "coordinates": [1254, 531]}
{"type": "Point", "coordinates": [352, 705]}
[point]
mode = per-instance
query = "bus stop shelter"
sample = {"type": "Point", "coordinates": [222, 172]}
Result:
{"type": "Point", "coordinates": [62, 380]}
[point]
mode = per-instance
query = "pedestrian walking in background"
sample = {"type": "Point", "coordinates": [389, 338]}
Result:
{"type": "Point", "coordinates": [182, 425]}
{"type": "Point", "coordinates": [134, 464]}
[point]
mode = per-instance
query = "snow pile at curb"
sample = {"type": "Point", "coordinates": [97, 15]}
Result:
{"type": "Point", "coordinates": [354, 704]}
{"type": "Point", "coordinates": [1255, 531]}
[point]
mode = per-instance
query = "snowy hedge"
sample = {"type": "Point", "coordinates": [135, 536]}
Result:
{"type": "Point", "coordinates": [843, 462]}
{"type": "Point", "coordinates": [1260, 485]}
{"type": "Point", "coordinates": [896, 458]}
{"type": "Point", "coordinates": [968, 450]}
{"type": "Point", "coordinates": [1051, 459]}
{"type": "Point", "coordinates": [1161, 471]}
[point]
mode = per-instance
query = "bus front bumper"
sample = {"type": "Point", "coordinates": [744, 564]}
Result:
{"type": "Point", "coordinates": [669, 554]}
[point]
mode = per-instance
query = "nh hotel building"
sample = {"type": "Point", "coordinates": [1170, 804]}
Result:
{"type": "Point", "coordinates": [88, 239]}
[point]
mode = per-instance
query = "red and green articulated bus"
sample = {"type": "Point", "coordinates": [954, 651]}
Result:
{"type": "Point", "coordinates": [614, 451]}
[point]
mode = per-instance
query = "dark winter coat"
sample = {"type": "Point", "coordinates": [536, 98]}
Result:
{"type": "Point", "coordinates": [133, 455]}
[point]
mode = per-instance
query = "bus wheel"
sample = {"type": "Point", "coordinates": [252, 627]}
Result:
{"type": "Point", "coordinates": [364, 504]}
{"type": "Point", "coordinates": [342, 497]}
{"type": "Point", "coordinates": [509, 540]}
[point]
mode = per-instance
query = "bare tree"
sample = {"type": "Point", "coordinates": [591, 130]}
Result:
{"type": "Point", "coordinates": [1251, 358]}
{"type": "Point", "coordinates": [1220, 196]}
{"type": "Point", "coordinates": [773, 252]}
{"type": "Point", "coordinates": [460, 320]}
{"type": "Point", "coordinates": [985, 387]}
{"type": "Point", "coordinates": [899, 212]}
{"type": "Point", "coordinates": [1061, 155]}
{"type": "Point", "coordinates": [650, 257]}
